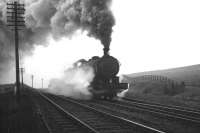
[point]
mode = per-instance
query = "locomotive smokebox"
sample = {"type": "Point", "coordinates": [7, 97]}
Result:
{"type": "Point", "coordinates": [107, 67]}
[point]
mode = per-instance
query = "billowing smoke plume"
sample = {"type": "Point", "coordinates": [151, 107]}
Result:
{"type": "Point", "coordinates": [75, 83]}
{"type": "Point", "coordinates": [64, 17]}
{"type": "Point", "coordinates": [58, 18]}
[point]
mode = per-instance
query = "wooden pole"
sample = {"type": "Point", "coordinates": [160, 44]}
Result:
{"type": "Point", "coordinates": [16, 20]}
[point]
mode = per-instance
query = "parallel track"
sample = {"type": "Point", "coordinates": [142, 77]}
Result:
{"type": "Point", "coordinates": [170, 111]}
{"type": "Point", "coordinates": [156, 119]}
{"type": "Point", "coordinates": [88, 118]}
{"type": "Point", "coordinates": [101, 121]}
{"type": "Point", "coordinates": [159, 104]}
{"type": "Point", "coordinates": [58, 120]}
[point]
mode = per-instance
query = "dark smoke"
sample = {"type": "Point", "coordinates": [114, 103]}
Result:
{"type": "Point", "coordinates": [56, 18]}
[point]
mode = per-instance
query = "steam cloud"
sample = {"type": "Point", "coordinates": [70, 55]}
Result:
{"type": "Point", "coordinates": [123, 93]}
{"type": "Point", "coordinates": [59, 18]}
{"type": "Point", "coordinates": [75, 83]}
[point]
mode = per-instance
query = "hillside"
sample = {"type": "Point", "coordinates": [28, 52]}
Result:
{"type": "Point", "coordinates": [168, 90]}
{"type": "Point", "coordinates": [189, 74]}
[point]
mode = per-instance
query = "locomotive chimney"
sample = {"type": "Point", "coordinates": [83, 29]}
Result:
{"type": "Point", "coordinates": [106, 51]}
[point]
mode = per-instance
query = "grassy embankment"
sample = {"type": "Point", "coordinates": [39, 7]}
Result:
{"type": "Point", "coordinates": [158, 91]}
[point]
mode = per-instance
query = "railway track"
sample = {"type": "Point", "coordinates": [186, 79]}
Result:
{"type": "Point", "coordinates": [58, 120]}
{"type": "Point", "coordinates": [152, 118]}
{"type": "Point", "coordinates": [159, 104]}
{"type": "Point", "coordinates": [101, 116]}
{"type": "Point", "coordinates": [100, 121]}
{"type": "Point", "coordinates": [177, 112]}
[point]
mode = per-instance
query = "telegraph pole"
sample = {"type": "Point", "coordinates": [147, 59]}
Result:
{"type": "Point", "coordinates": [32, 77]}
{"type": "Point", "coordinates": [22, 75]}
{"type": "Point", "coordinates": [42, 82]}
{"type": "Point", "coordinates": [15, 20]}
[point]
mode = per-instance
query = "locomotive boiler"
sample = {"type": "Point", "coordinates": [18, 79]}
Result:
{"type": "Point", "coordinates": [106, 83]}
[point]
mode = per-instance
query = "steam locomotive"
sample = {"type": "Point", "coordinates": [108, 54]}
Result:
{"type": "Point", "coordinates": [106, 83]}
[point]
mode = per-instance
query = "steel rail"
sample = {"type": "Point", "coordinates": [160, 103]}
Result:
{"type": "Point", "coordinates": [163, 110]}
{"type": "Point", "coordinates": [79, 122]}
{"type": "Point", "coordinates": [129, 111]}
{"type": "Point", "coordinates": [147, 128]}
{"type": "Point", "coordinates": [153, 104]}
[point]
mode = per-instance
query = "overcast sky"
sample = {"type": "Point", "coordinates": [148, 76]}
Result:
{"type": "Point", "coordinates": [148, 35]}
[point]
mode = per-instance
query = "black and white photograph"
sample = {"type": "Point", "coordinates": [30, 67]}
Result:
{"type": "Point", "coordinates": [99, 66]}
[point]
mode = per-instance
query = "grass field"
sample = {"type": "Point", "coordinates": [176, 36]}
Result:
{"type": "Point", "coordinates": [156, 91]}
